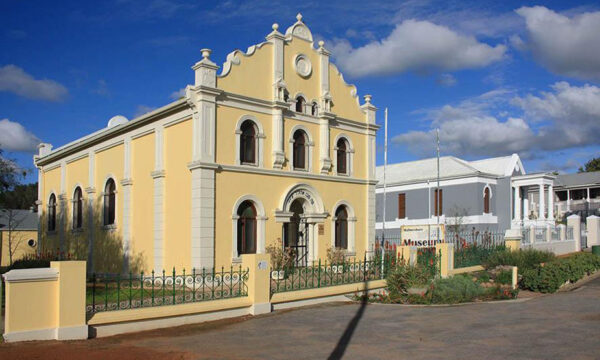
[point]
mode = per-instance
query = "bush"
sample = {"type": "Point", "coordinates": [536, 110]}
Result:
{"type": "Point", "coordinates": [404, 276]}
{"type": "Point", "coordinates": [524, 259]}
{"type": "Point", "coordinates": [504, 277]}
{"type": "Point", "coordinates": [549, 277]}
{"type": "Point", "coordinates": [454, 290]}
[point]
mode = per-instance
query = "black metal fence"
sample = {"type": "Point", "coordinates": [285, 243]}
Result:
{"type": "Point", "coordinates": [109, 292]}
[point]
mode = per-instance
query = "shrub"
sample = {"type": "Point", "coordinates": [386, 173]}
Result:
{"type": "Point", "coordinates": [404, 276]}
{"type": "Point", "coordinates": [336, 255]}
{"type": "Point", "coordinates": [523, 259]}
{"type": "Point", "coordinates": [454, 290]}
{"type": "Point", "coordinates": [549, 277]}
{"type": "Point", "coordinates": [504, 277]}
{"type": "Point", "coordinates": [281, 258]}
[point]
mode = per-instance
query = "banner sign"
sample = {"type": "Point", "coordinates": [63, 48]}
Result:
{"type": "Point", "coordinates": [422, 235]}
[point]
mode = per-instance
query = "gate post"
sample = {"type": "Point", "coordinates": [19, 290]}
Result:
{"type": "Point", "coordinates": [574, 221]}
{"type": "Point", "coordinates": [258, 282]}
{"type": "Point", "coordinates": [446, 252]}
{"type": "Point", "coordinates": [593, 230]}
{"type": "Point", "coordinates": [512, 239]}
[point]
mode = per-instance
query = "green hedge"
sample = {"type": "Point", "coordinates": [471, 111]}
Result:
{"type": "Point", "coordinates": [524, 259]}
{"type": "Point", "coordinates": [549, 277]}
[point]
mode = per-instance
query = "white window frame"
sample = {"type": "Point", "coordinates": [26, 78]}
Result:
{"type": "Point", "coordinates": [349, 155]}
{"type": "Point", "coordinates": [351, 226]}
{"type": "Point", "coordinates": [487, 186]}
{"type": "Point", "coordinates": [259, 145]}
{"type": "Point", "coordinates": [112, 226]}
{"type": "Point", "coordinates": [308, 152]}
{"type": "Point", "coordinates": [261, 220]}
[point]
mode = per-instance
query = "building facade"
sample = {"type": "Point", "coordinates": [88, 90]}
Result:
{"type": "Point", "coordinates": [275, 150]}
{"type": "Point", "coordinates": [472, 194]}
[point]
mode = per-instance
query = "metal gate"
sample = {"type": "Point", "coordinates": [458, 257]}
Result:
{"type": "Point", "coordinates": [583, 235]}
{"type": "Point", "coordinates": [296, 237]}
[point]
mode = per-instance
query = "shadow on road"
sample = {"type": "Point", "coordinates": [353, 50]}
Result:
{"type": "Point", "coordinates": [342, 344]}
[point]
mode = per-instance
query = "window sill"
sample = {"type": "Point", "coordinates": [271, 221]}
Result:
{"type": "Point", "coordinates": [236, 260]}
{"type": "Point", "coordinates": [300, 169]}
{"type": "Point", "coordinates": [343, 174]}
{"type": "Point", "coordinates": [249, 164]}
{"type": "Point", "coordinates": [111, 227]}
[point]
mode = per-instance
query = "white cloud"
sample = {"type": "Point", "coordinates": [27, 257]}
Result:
{"type": "Point", "coordinates": [565, 45]}
{"type": "Point", "coordinates": [566, 117]}
{"type": "Point", "coordinates": [571, 115]}
{"type": "Point", "coordinates": [142, 109]}
{"type": "Point", "coordinates": [14, 137]}
{"type": "Point", "coordinates": [176, 95]}
{"type": "Point", "coordinates": [446, 80]}
{"type": "Point", "coordinates": [416, 46]}
{"type": "Point", "coordinates": [15, 80]}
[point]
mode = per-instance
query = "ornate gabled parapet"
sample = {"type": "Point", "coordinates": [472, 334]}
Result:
{"type": "Point", "coordinates": [369, 109]}
{"type": "Point", "coordinates": [299, 29]}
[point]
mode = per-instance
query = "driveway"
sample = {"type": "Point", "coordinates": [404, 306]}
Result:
{"type": "Point", "coordinates": [559, 326]}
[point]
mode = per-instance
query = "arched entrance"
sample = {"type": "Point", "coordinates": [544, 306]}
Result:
{"type": "Point", "coordinates": [301, 209]}
{"type": "Point", "coordinates": [296, 233]}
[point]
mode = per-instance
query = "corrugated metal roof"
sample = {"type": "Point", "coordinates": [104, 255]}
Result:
{"type": "Point", "coordinates": [23, 219]}
{"type": "Point", "coordinates": [578, 179]}
{"type": "Point", "coordinates": [450, 167]}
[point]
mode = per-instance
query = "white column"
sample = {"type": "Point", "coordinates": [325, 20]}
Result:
{"type": "Point", "coordinates": [526, 208]}
{"type": "Point", "coordinates": [126, 183]}
{"type": "Point", "coordinates": [550, 202]}
{"type": "Point", "coordinates": [325, 160]}
{"type": "Point", "coordinates": [574, 222]}
{"type": "Point", "coordinates": [159, 199]}
{"type": "Point", "coordinates": [568, 200]}
{"type": "Point", "coordinates": [518, 204]}
{"type": "Point", "coordinates": [542, 210]}
{"type": "Point", "coordinates": [588, 195]}
{"type": "Point", "coordinates": [203, 167]}
{"type": "Point", "coordinates": [278, 154]}
{"type": "Point", "coordinates": [91, 197]}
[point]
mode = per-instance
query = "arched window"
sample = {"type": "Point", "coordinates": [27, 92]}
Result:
{"type": "Point", "coordinates": [342, 156]}
{"type": "Point", "coordinates": [300, 104]}
{"type": "Point", "coordinates": [246, 229]}
{"type": "Point", "coordinates": [248, 143]}
{"type": "Point", "coordinates": [341, 228]}
{"type": "Point", "coordinates": [52, 213]}
{"type": "Point", "coordinates": [314, 109]}
{"type": "Point", "coordinates": [486, 200]}
{"type": "Point", "coordinates": [77, 208]}
{"type": "Point", "coordinates": [299, 156]}
{"type": "Point", "coordinates": [109, 202]}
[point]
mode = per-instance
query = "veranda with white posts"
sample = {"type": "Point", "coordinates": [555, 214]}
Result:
{"type": "Point", "coordinates": [533, 200]}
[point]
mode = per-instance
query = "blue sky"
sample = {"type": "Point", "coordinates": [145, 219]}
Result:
{"type": "Point", "coordinates": [495, 77]}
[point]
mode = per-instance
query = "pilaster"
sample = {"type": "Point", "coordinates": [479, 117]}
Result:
{"type": "Point", "coordinates": [202, 100]}
{"type": "Point", "coordinates": [158, 175]}
{"type": "Point", "coordinates": [126, 184]}
{"type": "Point", "coordinates": [279, 100]}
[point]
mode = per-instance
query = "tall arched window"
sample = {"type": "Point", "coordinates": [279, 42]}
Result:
{"type": "Point", "coordinates": [248, 143]}
{"type": "Point", "coordinates": [109, 202]}
{"type": "Point", "coordinates": [52, 213]}
{"type": "Point", "coordinates": [299, 156]}
{"type": "Point", "coordinates": [300, 104]}
{"type": "Point", "coordinates": [246, 229]}
{"type": "Point", "coordinates": [342, 156]}
{"type": "Point", "coordinates": [314, 109]}
{"type": "Point", "coordinates": [486, 200]}
{"type": "Point", "coordinates": [341, 228]}
{"type": "Point", "coordinates": [77, 208]}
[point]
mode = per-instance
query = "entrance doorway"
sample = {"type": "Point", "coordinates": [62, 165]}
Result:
{"type": "Point", "coordinates": [295, 233]}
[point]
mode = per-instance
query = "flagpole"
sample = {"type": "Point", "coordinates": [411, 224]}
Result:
{"type": "Point", "coordinates": [385, 146]}
{"type": "Point", "coordinates": [438, 209]}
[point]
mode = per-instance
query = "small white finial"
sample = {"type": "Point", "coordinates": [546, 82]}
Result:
{"type": "Point", "coordinates": [368, 99]}
{"type": "Point", "coordinates": [321, 43]}
{"type": "Point", "coordinates": [299, 17]}
{"type": "Point", "coordinates": [205, 53]}
{"type": "Point", "coordinates": [275, 26]}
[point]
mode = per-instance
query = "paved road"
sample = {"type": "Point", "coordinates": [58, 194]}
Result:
{"type": "Point", "coordinates": [560, 326]}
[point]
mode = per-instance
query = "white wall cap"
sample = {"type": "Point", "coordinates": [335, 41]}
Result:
{"type": "Point", "coordinates": [513, 234]}
{"type": "Point", "coordinates": [593, 217]}
{"type": "Point", "coordinates": [574, 216]}
{"type": "Point", "coordinates": [31, 274]}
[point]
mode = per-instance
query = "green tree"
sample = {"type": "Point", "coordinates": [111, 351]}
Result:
{"type": "Point", "coordinates": [20, 197]}
{"type": "Point", "coordinates": [9, 173]}
{"type": "Point", "coordinates": [592, 165]}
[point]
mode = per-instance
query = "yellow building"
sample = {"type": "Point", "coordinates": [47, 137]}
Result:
{"type": "Point", "coordinates": [18, 235]}
{"type": "Point", "coordinates": [274, 150]}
